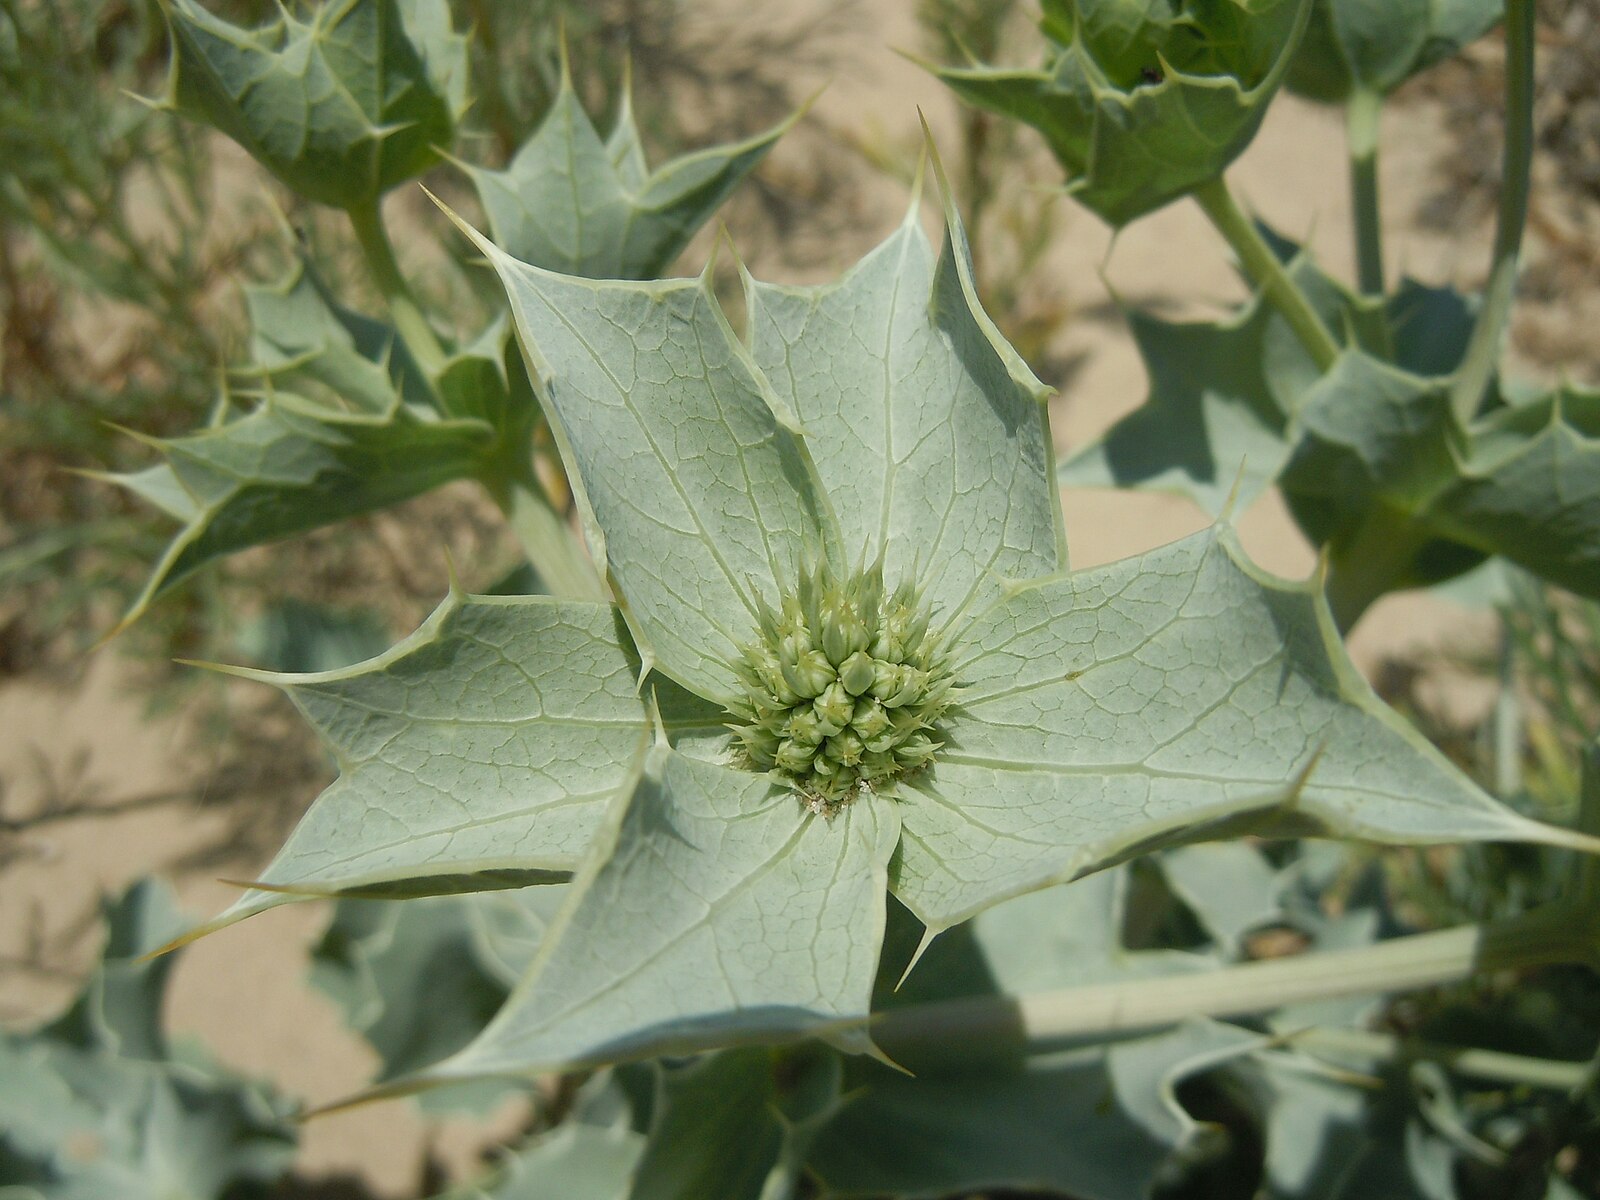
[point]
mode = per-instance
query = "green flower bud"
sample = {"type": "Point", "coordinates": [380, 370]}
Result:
{"type": "Point", "coordinates": [869, 720]}
{"type": "Point", "coordinates": [804, 727]}
{"type": "Point", "coordinates": [857, 672]}
{"type": "Point", "coordinates": [774, 684]}
{"type": "Point", "coordinates": [844, 748]}
{"type": "Point", "coordinates": [843, 631]}
{"type": "Point", "coordinates": [826, 709]}
{"type": "Point", "coordinates": [913, 683]}
{"type": "Point", "coordinates": [1126, 85]}
{"type": "Point", "coordinates": [373, 93]}
{"type": "Point", "coordinates": [810, 675]}
{"type": "Point", "coordinates": [794, 757]}
{"type": "Point", "coordinates": [887, 679]}
{"type": "Point", "coordinates": [760, 743]}
{"type": "Point", "coordinates": [834, 708]}
{"type": "Point", "coordinates": [916, 752]}
{"type": "Point", "coordinates": [876, 765]}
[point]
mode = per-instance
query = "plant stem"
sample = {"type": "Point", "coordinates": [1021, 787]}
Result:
{"type": "Point", "coordinates": [409, 319]}
{"type": "Point", "coordinates": [1264, 269]}
{"type": "Point", "coordinates": [1477, 1064]}
{"type": "Point", "coordinates": [1483, 349]}
{"type": "Point", "coordinates": [546, 539]}
{"type": "Point", "coordinates": [1361, 133]}
{"type": "Point", "coordinates": [1561, 932]}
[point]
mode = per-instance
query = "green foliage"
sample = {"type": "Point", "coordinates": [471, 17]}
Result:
{"type": "Point", "coordinates": [674, 814]}
{"type": "Point", "coordinates": [572, 202]}
{"type": "Point", "coordinates": [1376, 45]}
{"type": "Point", "coordinates": [351, 414]}
{"type": "Point", "coordinates": [1126, 85]}
{"type": "Point", "coordinates": [1162, 700]}
{"type": "Point", "coordinates": [344, 423]}
{"type": "Point", "coordinates": [342, 107]}
{"type": "Point", "coordinates": [419, 980]}
{"type": "Point", "coordinates": [96, 1106]}
{"type": "Point", "coordinates": [1215, 425]}
{"type": "Point", "coordinates": [1520, 482]}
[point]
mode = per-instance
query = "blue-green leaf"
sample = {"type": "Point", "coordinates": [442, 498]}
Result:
{"type": "Point", "coordinates": [570, 202]}
{"type": "Point", "coordinates": [340, 107]}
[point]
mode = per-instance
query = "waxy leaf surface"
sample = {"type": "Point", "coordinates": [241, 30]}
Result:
{"type": "Point", "coordinates": [719, 912]}
{"type": "Point", "coordinates": [481, 752]}
{"type": "Point", "coordinates": [1217, 423]}
{"type": "Point", "coordinates": [418, 981]}
{"type": "Point", "coordinates": [1522, 481]}
{"type": "Point", "coordinates": [696, 495]}
{"type": "Point", "coordinates": [1143, 103]}
{"type": "Point", "coordinates": [976, 1115]}
{"type": "Point", "coordinates": [1147, 702]}
{"type": "Point", "coordinates": [573, 203]}
{"type": "Point", "coordinates": [1376, 45]}
{"type": "Point", "coordinates": [342, 426]}
{"type": "Point", "coordinates": [342, 107]}
{"type": "Point", "coordinates": [93, 1106]}
{"type": "Point", "coordinates": [1172, 698]}
{"type": "Point", "coordinates": [929, 433]}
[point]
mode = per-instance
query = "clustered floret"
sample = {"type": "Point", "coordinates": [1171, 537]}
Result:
{"type": "Point", "coordinates": [845, 686]}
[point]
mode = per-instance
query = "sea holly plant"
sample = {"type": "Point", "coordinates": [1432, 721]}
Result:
{"type": "Point", "coordinates": [338, 413]}
{"type": "Point", "coordinates": [98, 1104]}
{"type": "Point", "coordinates": [1381, 417]}
{"type": "Point", "coordinates": [845, 658]}
{"type": "Point", "coordinates": [1145, 102]}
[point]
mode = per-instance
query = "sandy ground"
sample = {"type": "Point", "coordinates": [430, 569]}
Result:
{"type": "Point", "coordinates": [243, 991]}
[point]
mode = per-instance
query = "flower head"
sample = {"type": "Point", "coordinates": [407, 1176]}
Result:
{"type": "Point", "coordinates": [845, 686]}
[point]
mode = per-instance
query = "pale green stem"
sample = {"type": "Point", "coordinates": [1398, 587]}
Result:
{"type": "Point", "coordinates": [1505, 720]}
{"type": "Point", "coordinates": [1266, 271]}
{"type": "Point", "coordinates": [409, 319]}
{"type": "Point", "coordinates": [1488, 333]}
{"type": "Point", "coordinates": [1553, 934]}
{"type": "Point", "coordinates": [547, 540]}
{"type": "Point", "coordinates": [1476, 1064]}
{"type": "Point", "coordinates": [1361, 132]}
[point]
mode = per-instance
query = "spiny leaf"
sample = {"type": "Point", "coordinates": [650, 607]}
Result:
{"type": "Point", "coordinates": [342, 107]}
{"type": "Point", "coordinates": [482, 752]}
{"type": "Point", "coordinates": [694, 492]}
{"type": "Point", "coordinates": [343, 426]}
{"type": "Point", "coordinates": [1143, 103]}
{"type": "Point", "coordinates": [737, 1125]}
{"type": "Point", "coordinates": [714, 911]}
{"type": "Point", "coordinates": [928, 431]}
{"type": "Point", "coordinates": [1216, 425]}
{"type": "Point", "coordinates": [419, 980]}
{"type": "Point", "coordinates": [93, 1107]}
{"type": "Point", "coordinates": [1523, 481]}
{"type": "Point", "coordinates": [292, 466]}
{"type": "Point", "coordinates": [1155, 701]}
{"type": "Point", "coordinates": [975, 1117]}
{"type": "Point", "coordinates": [569, 202]}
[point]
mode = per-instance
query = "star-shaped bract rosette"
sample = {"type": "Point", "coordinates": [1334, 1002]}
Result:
{"type": "Point", "coordinates": [881, 427]}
